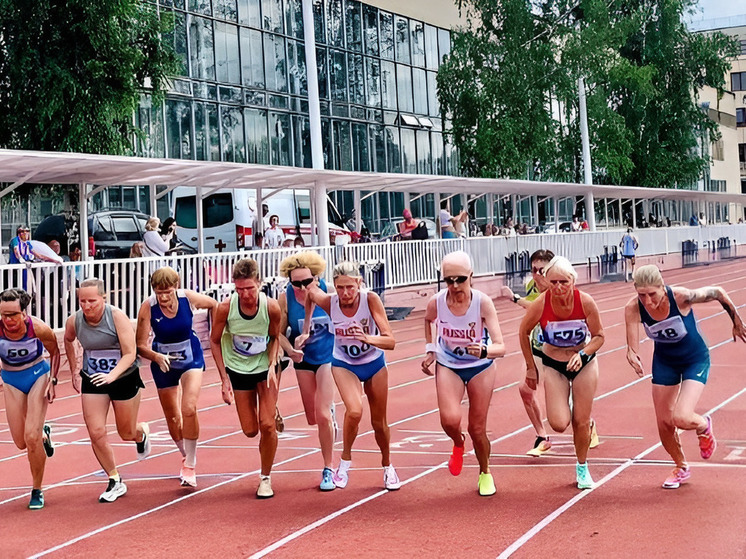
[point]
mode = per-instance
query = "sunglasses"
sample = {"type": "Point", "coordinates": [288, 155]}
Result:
{"type": "Point", "coordinates": [539, 271]}
{"type": "Point", "coordinates": [457, 280]}
{"type": "Point", "coordinates": [300, 284]}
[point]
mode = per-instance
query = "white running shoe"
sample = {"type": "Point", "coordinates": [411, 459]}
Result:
{"type": "Point", "coordinates": [340, 476]}
{"type": "Point", "coordinates": [390, 479]}
{"type": "Point", "coordinates": [143, 447]}
{"type": "Point", "coordinates": [264, 491]}
{"type": "Point", "coordinates": [187, 476]}
{"type": "Point", "coordinates": [114, 490]}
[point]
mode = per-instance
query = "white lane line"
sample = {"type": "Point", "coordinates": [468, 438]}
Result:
{"type": "Point", "coordinates": [525, 538]}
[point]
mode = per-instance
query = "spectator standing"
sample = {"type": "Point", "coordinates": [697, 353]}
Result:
{"type": "Point", "coordinates": [274, 235]}
{"type": "Point", "coordinates": [169, 226]}
{"type": "Point", "coordinates": [629, 245]}
{"type": "Point", "coordinates": [702, 219]}
{"type": "Point", "coordinates": [576, 226]}
{"type": "Point", "coordinates": [693, 221]}
{"type": "Point", "coordinates": [20, 248]}
{"type": "Point", "coordinates": [408, 225]}
{"type": "Point", "coordinates": [153, 243]}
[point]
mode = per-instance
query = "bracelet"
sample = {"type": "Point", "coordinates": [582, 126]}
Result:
{"type": "Point", "coordinates": [483, 352]}
{"type": "Point", "coordinates": [516, 298]}
{"type": "Point", "coordinates": [430, 348]}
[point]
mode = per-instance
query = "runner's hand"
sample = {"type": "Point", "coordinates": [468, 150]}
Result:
{"type": "Point", "coordinates": [475, 349]}
{"type": "Point", "coordinates": [531, 377]}
{"type": "Point", "coordinates": [429, 359]}
{"type": "Point", "coordinates": [296, 355]}
{"type": "Point", "coordinates": [574, 363]}
{"type": "Point", "coordinates": [739, 331]}
{"type": "Point", "coordinates": [272, 376]}
{"type": "Point", "coordinates": [100, 379]}
{"type": "Point", "coordinates": [634, 360]}
{"type": "Point", "coordinates": [49, 390]}
{"type": "Point", "coordinates": [76, 382]}
{"type": "Point", "coordinates": [227, 391]}
{"type": "Point", "coordinates": [163, 362]}
{"type": "Point", "coordinates": [505, 291]}
{"type": "Point", "coordinates": [301, 340]}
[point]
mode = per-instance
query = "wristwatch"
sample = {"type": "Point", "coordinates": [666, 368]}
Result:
{"type": "Point", "coordinates": [516, 297]}
{"type": "Point", "coordinates": [54, 381]}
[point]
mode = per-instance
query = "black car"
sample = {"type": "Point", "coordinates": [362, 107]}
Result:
{"type": "Point", "coordinates": [113, 231]}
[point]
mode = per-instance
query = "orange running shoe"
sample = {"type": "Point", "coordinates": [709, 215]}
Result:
{"type": "Point", "coordinates": [456, 461]}
{"type": "Point", "coordinates": [707, 442]}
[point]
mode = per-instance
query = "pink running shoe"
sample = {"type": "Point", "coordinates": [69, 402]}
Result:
{"type": "Point", "coordinates": [707, 442]}
{"type": "Point", "coordinates": [677, 477]}
{"type": "Point", "coordinates": [187, 476]}
{"type": "Point", "coordinates": [456, 461]}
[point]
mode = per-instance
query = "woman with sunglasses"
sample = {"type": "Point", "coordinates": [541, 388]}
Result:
{"type": "Point", "coordinates": [176, 359]}
{"type": "Point", "coordinates": [468, 338]}
{"type": "Point", "coordinates": [568, 318]}
{"type": "Point", "coordinates": [313, 364]}
{"type": "Point", "coordinates": [681, 359]}
{"type": "Point", "coordinates": [361, 333]}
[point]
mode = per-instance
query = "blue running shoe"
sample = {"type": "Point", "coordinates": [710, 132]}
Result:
{"type": "Point", "coordinates": [327, 483]}
{"type": "Point", "coordinates": [583, 476]}
{"type": "Point", "coordinates": [37, 500]}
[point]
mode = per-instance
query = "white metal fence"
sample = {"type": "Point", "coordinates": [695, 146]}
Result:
{"type": "Point", "coordinates": [406, 263]}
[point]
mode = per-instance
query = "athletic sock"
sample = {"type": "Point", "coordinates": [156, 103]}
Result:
{"type": "Point", "coordinates": [262, 477]}
{"type": "Point", "coordinates": [115, 476]}
{"type": "Point", "coordinates": [190, 453]}
{"type": "Point", "coordinates": [180, 445]}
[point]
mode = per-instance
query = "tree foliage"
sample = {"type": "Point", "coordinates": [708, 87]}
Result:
{"type": "Point", "coordinates": [72, 72]}
{"type": "Point", "coordinates": [510, 89]}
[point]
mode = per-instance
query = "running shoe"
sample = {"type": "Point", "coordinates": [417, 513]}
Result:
{"type": "Point", "coordinates": [47, 442]}
{"type": "Point", "coordinates": [340, 476]}
{"type": "Point", "coordinates": [707, 442]}
{"type": "Point", "coordinates": [456, 461]}
{"type": "Point", "coordinates": [114, 490]}
{"type": "Point", "coordinates": [541, 445]}
{"type": "Point", "coordinates": [264, 491]}
{"type": "Point", "coordinates": [37, 500]}
{"type": "Point", "coordinates": [327, 481]}
{"type": "Point", "coordinates": [187, 476]}
{"type": "Point", "coordinates": [486, 485]}
{"type": "Point", "coordinates": [279, 421]}
{"type": "Point", "coordinates": [390, 479]}
{"type": "Point", "coordinates": [583, 476]}
{"type": "Point", "coordinates": [677, 477]}
{"type": "Point", "coordinates": [594, 435]}
{"type": "Point", "coordinates": [143, 447]}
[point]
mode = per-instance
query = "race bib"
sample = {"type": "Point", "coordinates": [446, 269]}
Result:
{"type": "Point", "coordinates": [667, 331]}
{"type": "Point", "coordinates": [319, 326]}
{"type": "Point", "coordinates": [180, 353]}
{"type": "Point", "coordinates": [249, 345]}
{"type": "Point", "coordinates": [566, 333]}
{"type": "Point", "coordinates": [102, 360]}
{"type": "Point", "coordinates": [20, 352]}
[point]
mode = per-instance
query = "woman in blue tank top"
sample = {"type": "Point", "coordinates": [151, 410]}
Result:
{"type": "Point", "coordinates": [681, 359]}
{"type": "Point", "coordinates": [176, 359]}
{"type": "Point", "coordinates": [312, 364]}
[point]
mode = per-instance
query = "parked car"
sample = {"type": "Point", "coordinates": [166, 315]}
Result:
{"type": "Point", "coordinates": [111, 233]}
{"type": "Point", "coordinates": [564, 227]}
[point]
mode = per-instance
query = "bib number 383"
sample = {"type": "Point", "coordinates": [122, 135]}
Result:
{"type": "Point", "coordinates": [103, 360]}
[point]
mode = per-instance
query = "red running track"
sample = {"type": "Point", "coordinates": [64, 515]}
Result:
{"type": "Point", "coordinates": [537, 509]}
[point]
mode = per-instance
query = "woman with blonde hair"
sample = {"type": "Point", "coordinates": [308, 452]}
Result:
{"type": "Point", "coordinates": [153, 243]}
{"type": "Point", "coordinates": [313, 363]}
{"type": "Point", "coordinates": [572, 334]}
{"type": "Point", "coordinates": [681, 359]}
{"type": "Point", "coordinates": [361, 333]}
{"type": "Point", "coordinates": [176, 359]}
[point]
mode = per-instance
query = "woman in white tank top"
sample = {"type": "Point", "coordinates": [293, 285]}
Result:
{"type": "Point", "coordinates": [361, 333]}
{"type": "Point", "coordinates": [467, 339]}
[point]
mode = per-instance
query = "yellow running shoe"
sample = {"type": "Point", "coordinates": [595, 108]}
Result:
{"type": "Point", "coordinates": [486, 485]}
{"type": "Point", "coordinates": [594, 435]}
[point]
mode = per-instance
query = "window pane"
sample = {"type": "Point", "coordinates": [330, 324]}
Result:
{"type": "Point", "coordinates": [178, 129]}
{"type": "Point", "coordinates": [357, 79]}
{"type": "Point", "coordinates": [125, 228]}
{"type": "Point", "coordinates": [217, 209]}
{"type": "Point", "coordinates": [257, 142]}
{"type": "Point", "coordinates": [200, 7]}
{"type": "Point", "coordinates": [432, 94]}
{"type": "Point", "coordinates": [372, 82]}
{"type": "Point", "coordinates": [318, 21]}
{"type": "Point", "coordinates": [226, 53]}
{"type": "Point", "coordinates": [402, 39]}
{"type": "Point", "coordinates": [326, 140]}
{"type": "Point", "coordinates": [274, 63]}
{"type": "Point", "coordinates": [444, 43]}
{"type": "Point", "coordinates": [386, 35]}
{"type": "Point", "coordinates": [249, 13]}
{"type": "Point", "coordinates": [424, 153]}
{"type": "Point", "coordinates": [338, 75]}
{"type": "Point", "coordinates": [393, 155]}
{"type": "Point", "coordinates": [408, 151]}
{"type": "Point", "coordinates": [388, 85]}
{"type": "Point", "coordinates": [279, 129]}
{"type": "Point", "coordinates": [354, 25]}
{"type": "Point", "coordinates": [294, 18]}
{"type": "Point", "coordinates": [201, 42]}
{"type": "Point", "coordinates": [334, 23]}
{"type": "Point", "coordinates": [185, 212]}
{"type": "Point", "coordinates": [322, 64]}
{"type": "Point", "coordinates": [302, 141]}
{"type": "Point", "coordinates": [252, 58]}
{"type": "Point", "coordinates": [377, 148]}
{"type": "Point", "coordinates": [404, 87]}
{"type": "Point", "coordinates": [272, 16]}
{"type": "Point", "coordinates": [226, 9]}
{"type": "Point", "coordinates": [207, 139]}
{"type": "Point", "coordinates": [178, 38]}
{"type": "Point", "coordinates": [233, 141]}
{"type": "Point", "coordinates": [735, 81]}
{"type": "Point", "coordinates": [342, 145]}
{"type": "Point", "coordinates": [418, 43]}
{"type": "Point", "coordinates": [297, 68]}
{"type": "Point", "coordinates": [360, 154]}
{"type": "Point", "coordinates": [437, 152]}
{"type": "Point", "coordinates": [419, 88]}
{"type": "Point", "coordinates": [431, 47]}
{"type": "Point", "coordinates": [370, 29]}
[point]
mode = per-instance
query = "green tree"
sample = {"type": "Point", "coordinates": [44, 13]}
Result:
{"type": "Point", "coordinates": [72, 72]}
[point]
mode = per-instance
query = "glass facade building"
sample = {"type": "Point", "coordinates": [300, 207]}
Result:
{"type": "Point", "coordinates": [241, 93]}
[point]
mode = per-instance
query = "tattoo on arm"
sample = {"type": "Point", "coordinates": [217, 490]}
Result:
{"type": "Point", "coordinates": [704, 295]}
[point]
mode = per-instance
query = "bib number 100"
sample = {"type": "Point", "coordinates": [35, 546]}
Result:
{"type": "Point", "coordinates": [355, 350]}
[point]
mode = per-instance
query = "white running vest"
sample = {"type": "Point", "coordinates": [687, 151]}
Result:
{"type": "Point", "coordinates": [455, 333]}
{"type": "Point", "coordinates": [347, 348]}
